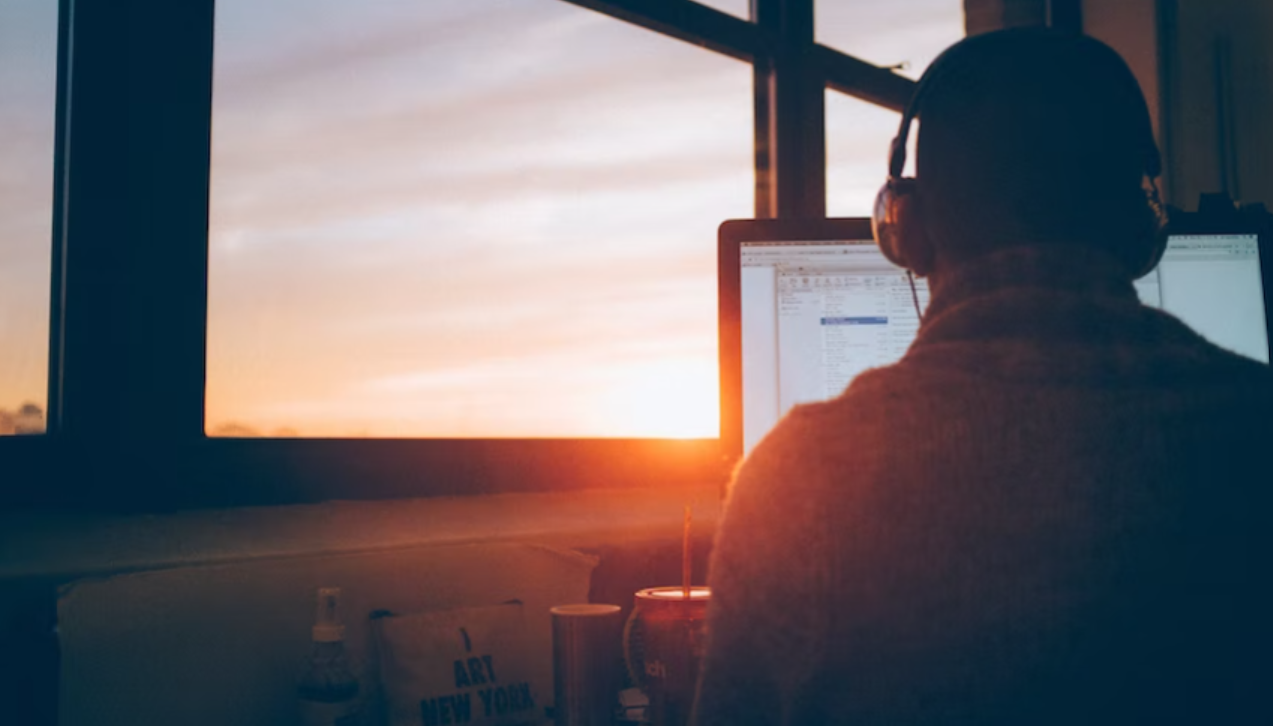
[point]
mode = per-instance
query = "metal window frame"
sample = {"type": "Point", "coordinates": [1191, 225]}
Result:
{"type": "Point", "coordinates": [128, 325]}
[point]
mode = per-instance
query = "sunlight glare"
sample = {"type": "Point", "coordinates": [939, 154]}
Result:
{"type": "Point", "coordinates": [675, 398]}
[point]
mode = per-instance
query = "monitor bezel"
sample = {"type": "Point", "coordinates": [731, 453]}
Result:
{"type": "Point", "coordinates": [730, 238]}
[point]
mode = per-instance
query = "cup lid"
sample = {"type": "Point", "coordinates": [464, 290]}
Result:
{"type": "Point", "coordinates": [586, 609]}
{"type": "Point", "coordinates": [675, 594]}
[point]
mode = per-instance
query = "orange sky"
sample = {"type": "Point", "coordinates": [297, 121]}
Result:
{"type": "Point", "coordinates": [28, 39]}
{"type": "Point", "coordinates": [474, 218]}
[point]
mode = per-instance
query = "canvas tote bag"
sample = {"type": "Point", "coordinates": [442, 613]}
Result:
{"type": "Point", "coordinates": [462, 666]}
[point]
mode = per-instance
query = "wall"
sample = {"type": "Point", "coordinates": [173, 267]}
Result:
{"type": "Point", "coordinates": [202, 617]}
{"type": "Point", "coordinates": [223, 644]}
{"type": "Point", "coordinates": [1130, 27]}
{"type": "Point", "coordinates": [1173, 47]}
{"type": "Point", "coordinates": [981, 16]}
{"type": "Point", "coordinates": [1206, 68]}
{"type": "Point", "coordinates": [1200, 161]}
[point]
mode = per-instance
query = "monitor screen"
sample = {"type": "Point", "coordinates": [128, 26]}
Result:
{"type": "Point", "coordinates": [814, 314]}
{"type": "Point", "coordinates": [1213, 283]}
{"type": "Point", "coordinates": [807, 306]}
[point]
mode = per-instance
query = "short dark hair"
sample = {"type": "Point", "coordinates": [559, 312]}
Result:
{"type": "Point", "coordinates": [1031, 136]}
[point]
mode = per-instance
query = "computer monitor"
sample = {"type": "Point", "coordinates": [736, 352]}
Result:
{"type": "Point", "coordinates": [1215, 284]}
{"type": "Point", "coordinates": [807, 305]}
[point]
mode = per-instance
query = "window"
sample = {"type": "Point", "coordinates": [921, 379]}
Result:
{"type": "Point", "coordinates": [473, 219]}
{"type": "Point", "coordinates": [28, 83]}
{"type": "Point", "coordinates": [906, 35]}
{"type": "Point", "coordinates": [858, 135]}
{"type": "Point", "coordinates": [381, 176]}
{"type": "Point", "coordinates": [903, 34]}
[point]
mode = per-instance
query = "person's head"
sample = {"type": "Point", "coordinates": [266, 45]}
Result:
{"type": "Point", "coordinates": [1026, 136]}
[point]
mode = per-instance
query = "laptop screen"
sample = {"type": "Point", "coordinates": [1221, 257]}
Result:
{"type": "Point", "coordinates": [814, 314]}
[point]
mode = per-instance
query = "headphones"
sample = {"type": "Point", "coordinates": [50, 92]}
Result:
{"type": "Point", "coordinates": [897, 220]}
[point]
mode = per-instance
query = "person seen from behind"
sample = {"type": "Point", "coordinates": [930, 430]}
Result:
{"type": "Point", "coordinates": [1055, 509]}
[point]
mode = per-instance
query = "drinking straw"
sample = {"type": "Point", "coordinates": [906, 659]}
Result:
{"type": "Point", "coordinates": [685, 555]}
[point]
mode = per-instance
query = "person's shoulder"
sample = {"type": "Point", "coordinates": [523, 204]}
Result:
{"type": "Point", "coordinates": [1256, 372]}
{"type": "Point", "coordinates": [790, 442]}
{"type": "Point", "coordinates": [789, 459]}
{"type": "Point", "coordinates": [798, 446]}
{"type": "Point", "coordinates": [1224, 368]}
{"type": "Point", "coordinates": [1241, 388]}
{"type": "Point", "coordinates": [813, 424]}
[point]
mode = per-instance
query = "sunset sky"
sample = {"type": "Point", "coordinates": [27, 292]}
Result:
{"type": "Point", "coordinates": [457, 218]}
{"type": "Point", "coordinates": [28, 42]}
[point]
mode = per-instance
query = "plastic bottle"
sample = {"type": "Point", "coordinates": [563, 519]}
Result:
{"type": "Point", "coordinates": [327, 688]}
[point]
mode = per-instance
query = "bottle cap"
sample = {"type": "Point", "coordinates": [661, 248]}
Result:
{"type": "Point", "coordinates": [327, 626]}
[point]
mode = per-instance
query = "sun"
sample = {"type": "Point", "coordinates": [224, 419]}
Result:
{"type": "Point", "coordinates": [675, 398]}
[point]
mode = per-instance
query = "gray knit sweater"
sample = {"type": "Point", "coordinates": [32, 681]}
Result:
{"type": "Point", "coordinates": [1054, 510]}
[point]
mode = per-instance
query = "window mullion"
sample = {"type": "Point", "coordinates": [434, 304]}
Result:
{"type": "Point", "coordinates": [131, 274]}
{"type": "Point", "coordinates": [689, 21]}
{"type": "Point", "coordinates": [790, 114]}
{"type": "Point", "coordinates": [862, 80]}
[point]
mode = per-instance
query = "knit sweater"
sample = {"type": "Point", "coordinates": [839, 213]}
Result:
{"type": "Point", "coordinates": [1055, 509]}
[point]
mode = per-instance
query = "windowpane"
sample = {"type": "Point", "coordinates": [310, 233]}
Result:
{"type": "Point", "coordinates": [858, 133]}
{"type": "Point", "coordinates": [910, 32]}
{"type": "Point", "coordinates": [739, 8]}
{"type": "Point", "coordinates": [858, 136]}
{"type": "Point", "coordinates": [28, 83]}
{"type": "Point", "coordinates": [467, 219]}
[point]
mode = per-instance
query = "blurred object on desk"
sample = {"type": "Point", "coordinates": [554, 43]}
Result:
{"type": "Point", "coordinates": [663, 645]}
{"type": "Point", "coordinates": [633, 707]}
{"type": "Point", "coordinates": [328, 690]}
{"type": "Point", "coordinates": [586, 663]}
{"type": "Point", "coordinates": [467, 665]}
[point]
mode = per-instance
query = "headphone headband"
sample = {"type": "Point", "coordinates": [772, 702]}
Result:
{"type": "Point", "coordinates": [897, 149]}
{"type": "Point", "coordinates": [896, 220]}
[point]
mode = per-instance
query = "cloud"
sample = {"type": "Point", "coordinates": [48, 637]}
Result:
{"type": "Point", "coordinates": [260, 49]}
{"type": "Point", "coordinates": [889, 33]}
{"type": "Point", "coordinates": [234, 429]}
{"type": "Point", "coordinates": [455, 223]}
{"type": "Point", "coordinates": [546, 217]}
{"type": "Point", "coordinates": [27, 420]}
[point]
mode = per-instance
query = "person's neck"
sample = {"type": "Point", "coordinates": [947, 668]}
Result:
{"type": "Point", "coordinates": [1078, 268]}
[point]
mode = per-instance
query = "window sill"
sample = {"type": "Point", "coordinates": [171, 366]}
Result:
{"type": "Point", "coordinates": [64, 546]}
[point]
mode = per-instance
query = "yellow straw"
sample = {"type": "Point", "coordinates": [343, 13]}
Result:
{"type": "Point", "coordinates": [685, 555]}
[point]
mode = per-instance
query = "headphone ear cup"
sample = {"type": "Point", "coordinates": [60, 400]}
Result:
{"type": "Point", "coordinates": [884, 222]}
{"type": "Point", "coordinates": [898, 227]}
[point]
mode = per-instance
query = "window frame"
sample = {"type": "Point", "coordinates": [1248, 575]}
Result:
{"type": "Point", "coordinates": [127, 363]}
